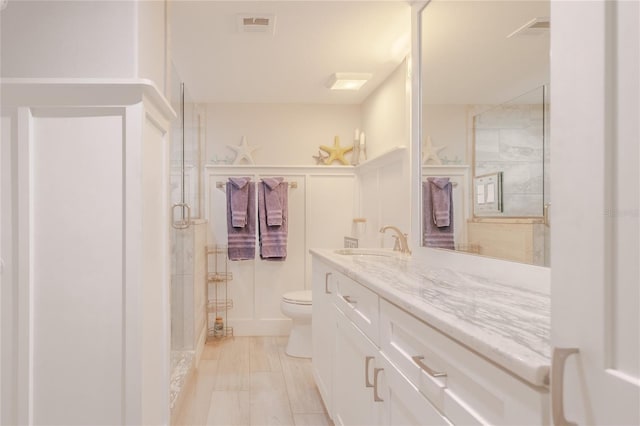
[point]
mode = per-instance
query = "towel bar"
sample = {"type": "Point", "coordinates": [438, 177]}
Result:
{"type": "Point", "coordinates": [221, 184]}
{"type": "Point", "coordinates": [454, 184]}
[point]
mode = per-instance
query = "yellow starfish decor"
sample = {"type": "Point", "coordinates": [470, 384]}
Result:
{"type": "Point", "coordinates": [336, 152]}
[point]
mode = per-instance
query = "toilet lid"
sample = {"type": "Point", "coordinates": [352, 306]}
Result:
{"type": "Point", "coordinates": [298, 297]}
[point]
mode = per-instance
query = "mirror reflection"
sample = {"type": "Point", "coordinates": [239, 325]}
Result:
{"type": "Point", "coordinates": [485, 142]}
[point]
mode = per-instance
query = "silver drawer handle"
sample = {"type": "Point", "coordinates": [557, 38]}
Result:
{"type": "Point", "coordinates": [558, 361]}
{"type": "Point", "coordinates": [376, 398]}
{"type": "Point", "coordinates": [326, 282]}
{"type": "Point", "coordinates": [367, 383]}
{"type": "Point", "coordinates": [418, 360]}
{"type": "Point", "coordinates": [350, 300]}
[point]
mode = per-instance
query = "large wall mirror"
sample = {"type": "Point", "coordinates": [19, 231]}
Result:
{"type": "Point", "coordinates": [485, 138]}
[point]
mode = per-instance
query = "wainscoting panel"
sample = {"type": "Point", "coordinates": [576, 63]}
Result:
{"type": "Point", "coordinates": [320, 211]}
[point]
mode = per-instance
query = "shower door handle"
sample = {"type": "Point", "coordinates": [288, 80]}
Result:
{"type": "Point", "coordinates": [545, 213]}
{"type": "Point", "coordinates": [185, 221]}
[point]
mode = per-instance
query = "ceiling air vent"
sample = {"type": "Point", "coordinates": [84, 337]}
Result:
{"type": "Point", "coordinates": [256, 23]}
{"type": "Point", "coordinates": [535, 27]}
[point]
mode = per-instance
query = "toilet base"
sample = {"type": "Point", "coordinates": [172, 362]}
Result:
{"type": "Point", "coordinates": [299, 344]}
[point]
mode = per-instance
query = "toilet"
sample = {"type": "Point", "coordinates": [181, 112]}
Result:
{"type": "Point", "coordinates": [297, 306]}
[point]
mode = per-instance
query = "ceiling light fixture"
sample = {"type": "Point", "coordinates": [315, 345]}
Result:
{"type": "Point", "coordinates": [535, 27]}
{"type": "Point", "coordinates": [347, 80]}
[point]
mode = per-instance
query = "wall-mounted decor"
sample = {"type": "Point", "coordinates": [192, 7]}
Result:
{"type": "Point", "coordinates": [336, 152]}
{"type": "Point", "coordinates": [243, 152]}
{"type": "Point", "coordinates": [487, 195]}
{"type": "Point", "coordinates": [430, 152]}
{"type": "Point", "coordinates": [320, 158]}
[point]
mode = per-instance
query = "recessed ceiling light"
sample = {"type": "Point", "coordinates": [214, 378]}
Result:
{"type": "Point", "coordinates": [347, 80]}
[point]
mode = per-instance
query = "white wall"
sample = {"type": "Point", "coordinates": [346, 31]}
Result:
{"type": "Point", "coordinates": [152, 49]}
{"type": "Point", "coordinates": [321, 209]}
{"type": "Point", "coordinates": [287, 134]}
{"type": "Point", "coordinates": [156, 272]}
{"type": "Point", "coordinates": [82, 275]}
{"type": "Point", "coordinates": [385, 114]}
{"type": "Point", "coordinates": [447, 125]}
{"type": "Point", "coordinates": [75, 299]}
{"type": "Point", "coordinates": [327, 199]}
{"type": "Point", "coordinates": [384, 185]}
{"type": "Point", "coordinates": [90, 276]}
{"type": "Point", "coordinates": [383, 198]}
{"type": "Point", "coordinates": [78, 39]}
{"type": "Point", "coordinates": [68, 39]}
{"type": "Point", "coordinates": [8, 293]}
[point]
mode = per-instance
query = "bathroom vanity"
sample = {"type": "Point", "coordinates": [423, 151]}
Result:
{"type": "Point", "coordinates": [398, 342]}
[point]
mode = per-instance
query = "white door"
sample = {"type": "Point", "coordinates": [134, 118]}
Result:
{"type": "Point", "coordinates": [595, 238]}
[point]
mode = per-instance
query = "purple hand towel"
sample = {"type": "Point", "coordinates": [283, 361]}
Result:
{"type": "Point", "coordinates": [272, 202]}
{"type": "Point", "coordinates": [242, 241]}
{"type": "Point", "coordinates": [434, 236]}
{"type": "Point", "coordinates": [441, 200]}
{"type": "Point", "coordinates": [273, 239]}
{"type": "Point", "coordinates": [239, 200]}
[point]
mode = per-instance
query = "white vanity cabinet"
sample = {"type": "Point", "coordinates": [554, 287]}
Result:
{"type": "Point", "coordinates": [404, 404]}
{"type": "Point", "coordinates": [356, 377]}
{"type": "Point", "coordinates": [323, 329]}
{"type": "Point", "coordinates": [359, 305]}
{"type": "Point", "coordinates": [389, 367]}
{"type": "Point", "coordinates": [467, 388]}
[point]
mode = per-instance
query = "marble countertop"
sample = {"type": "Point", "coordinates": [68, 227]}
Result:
{"type": "Point", "coordinates": [509, 325]}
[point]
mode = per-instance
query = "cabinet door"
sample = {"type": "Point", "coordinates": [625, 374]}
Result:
{"type": "Point", "coordinates": [323, 329]}
{"type": "Point", "coordinates": [404, 404]}
{"type": "Point", "coordinates": [354, 371]}
{"type": "Point", "coordinates": [595, 297]}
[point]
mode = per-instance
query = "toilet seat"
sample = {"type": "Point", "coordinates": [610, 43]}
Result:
{"type": "Point", "coordinates": [296, 305]}
{"type": "Point", "coordinates": [297, 297]}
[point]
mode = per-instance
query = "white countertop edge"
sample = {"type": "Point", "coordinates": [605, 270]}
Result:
{"type": "Point", "coordinates": [535, 373]}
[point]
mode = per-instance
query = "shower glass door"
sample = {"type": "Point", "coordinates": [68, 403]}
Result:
{"type": "Point", "coordinates": [185, 190]}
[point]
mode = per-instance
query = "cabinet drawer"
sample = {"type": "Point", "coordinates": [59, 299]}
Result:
{"type": "Point", "coordinates": [406, 405]}
{"type": "Point", "coordinates": [403, 342]}
{"type": "Point", "coordinates": [471, 389]}
{"type": "Point", "coordinates": [360, 305]}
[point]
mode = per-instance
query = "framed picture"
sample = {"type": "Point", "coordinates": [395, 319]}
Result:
{"type": "Point", "coordinates": [487, 194]}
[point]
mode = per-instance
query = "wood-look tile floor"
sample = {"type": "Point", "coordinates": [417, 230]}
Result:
{"type": "Point", "coordinates": [247, 381]}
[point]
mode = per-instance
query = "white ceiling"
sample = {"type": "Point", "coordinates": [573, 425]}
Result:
{"type": "Point", "coordinates": [312, 40]}
{"type": "Point", "coordinates": [467, 58]}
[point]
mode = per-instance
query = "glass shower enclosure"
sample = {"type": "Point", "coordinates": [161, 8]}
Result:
{"type": "Point", "coordinates": [187, 237]}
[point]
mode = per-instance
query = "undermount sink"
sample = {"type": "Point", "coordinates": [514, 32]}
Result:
{"type": "Point", "coordinates": [367, 252]}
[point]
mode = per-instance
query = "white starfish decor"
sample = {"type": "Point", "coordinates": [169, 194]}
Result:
{"type": "Point", "coordinates": [430, 152]}
{"type": "Point", "coordinates": [243, 151]}
{"type": "Point", "coordinates": [320, 158]}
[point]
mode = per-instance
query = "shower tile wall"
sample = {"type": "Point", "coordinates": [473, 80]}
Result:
{"type": "Point", "coordinates": [509, 138]}
{"type": "Point", "coordinates": [187, 286]}
{"type": "Point", "coordinates": [181, 282]}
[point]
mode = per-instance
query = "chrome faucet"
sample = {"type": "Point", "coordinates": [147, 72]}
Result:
{"type": "Point", "coordinates": [401, 244]}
